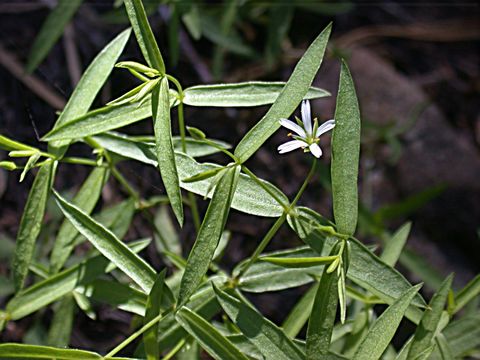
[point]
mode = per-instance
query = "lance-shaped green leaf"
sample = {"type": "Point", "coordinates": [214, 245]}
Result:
{"type": "Point", "coordinates": [89, 85]}
{"type": "Point", "coordinates": [394, 245]}
{"type": "Point", "coordinates": [463, 335]}
{"type": "Point", "coordinates": [250, 93]}
{"type": "Point", "coordinates": [270, 340]}
{"type": "Point", "coordinates": [366, 269]}
{"type": "Point", "coordinates": [13, 145]}
{"type": "Point", "coordinates": [322, 317]}
{"type": "Point", "coordinates": [203, 302]}
{"type": "Point", "coordinates": [86, 199]}
{"type": "Point", "coordinates": [144, 151]}
{"type": "Point", "coordinates": [108, 244]}
{"type": "Point", "coordinates": [31, 223]}
{"type": "Point", "coordinates": [267, 276]}
{"type": "Point", "coordinates": [152, 310]}
{"type": "Point", "coordinates": [250, 197]}
{"type": "Point", "coordinates": [384, 328]}
{"type": "Point", "coordinates": [345, 155]}
{"type": "Point", "coordinates": [117, 218]}
{"type": "Point", "coordinates": [164, 147]}
{"type": "Point", "coordinates": [51, 31]}
{"type": "Point", "coordinates": [422, 339]}
{"type": "Point", "coordinates": [288, 99]}
{"type": "Point", "coordinates": [468, 293]}
{"type": "Point", "coordinates": [56, 286]}
{"type": "Point", "coordinates": [300, 313]}
{"type": "Point", "coordinates": [29, 352]}
{"type": "Point", "coordinates": [118, 295]}
{"type": "Point", "coordinates": [101, 120]}
{"type": "Point", "coordinates": [217, 345]}
{"type": "Point", "coordinates": [300, 262]}
{"type": "Point", "coordinates": [143, 32]}
{"type": "Point", "coordinates": [209, 234]}
{"type": "Point", "coordinates": [62, 322]}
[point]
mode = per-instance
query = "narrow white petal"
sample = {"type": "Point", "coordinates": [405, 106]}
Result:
{"type": "Point", "coordinates": [326, 126]}
{"type": "Point", "coordinates": [315, 149]}
{"type": "Point", "coordinates": [306, 116]}
{"type": "Point", "coordinates": [292, 126]}
{"type": "Point", "coordinates": [291, 145]}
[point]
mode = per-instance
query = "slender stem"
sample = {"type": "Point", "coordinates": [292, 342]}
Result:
{"type": "Point", "coordinates": [304, 185]}
{"type": "Point", "coordinates": [79, 161]}
{"type": "Point", "coordinates": [136, 334]}
{"type": "Point", "coordinates": [225, 151]}
{"type": "Point", "coordinates": [176, 349]}
{"type": "Point", "coordinates": [181, 126]}
{"type": "Point", "coordinates": [264, 187]}
{"type": "Point", "coordinates": [263, 244]}
{"type": "Point", "coordinates": [121, 179]}
{"type": "Point", "coordinates": [177, 85]}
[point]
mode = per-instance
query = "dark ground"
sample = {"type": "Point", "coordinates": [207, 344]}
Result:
{"type": "Point", "coordinates": [416, 67]}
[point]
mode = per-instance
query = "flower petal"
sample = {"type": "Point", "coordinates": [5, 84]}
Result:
{"type": "Point", "coordinates": [326, 126]}
{"type": "Point", "coordinates": [315, 150]}
{"type": "Point", "coordinates": [306, 116]}
{"type": "Point", "coordinates": [291, 145]}
{"type": "Point", "coordinates": [294, 127]}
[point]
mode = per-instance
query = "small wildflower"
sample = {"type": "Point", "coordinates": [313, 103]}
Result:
{"type": "Point", "coordinates": [307, 135]}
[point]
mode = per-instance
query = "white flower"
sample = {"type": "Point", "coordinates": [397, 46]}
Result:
{"type": "Point", "coordinates": [307, 135]}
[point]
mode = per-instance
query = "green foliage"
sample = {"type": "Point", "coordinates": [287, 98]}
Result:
{"type": "Point", "coordinates": [173, 314]}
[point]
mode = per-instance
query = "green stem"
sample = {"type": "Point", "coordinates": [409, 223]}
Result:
{"type": "Point", "coordinates": [264, 187]}
{"type": "Point", "coordinates": [79, 161]}
{"type": "Point", "coordinates": [176, 349]}
{"type": "Point", "coordinates": [263, 244]}
{"type": "Point", "coordinates": [134, 335]}
{"type": "Point", "coordinates": [121, 179]}
{"type": "Point", "coordinates": [304, 185]}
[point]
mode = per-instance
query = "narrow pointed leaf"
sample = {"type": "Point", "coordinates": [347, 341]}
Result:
{"type": "Point", "coordinates": [266, 276]}
{"type": "Point", "coordinates": [117, 295]}
{"type": "Point", "coordinates": [30, 352]}
{"type": "Point", "coordinates": [270, 340]}
{"type": "Point", "coordinates": [468, 293]}
{"type": "Point", "coordinates": [394, 245]}
{"type": "Point", "coordinates": [384, 328]}
{"type": "Point", "coordinates": [31, 224]}
{"type": "Point", "coordinates": [56, 286]}
{"type": "Point", "coordinates": [422, 339]}
{"type": "Point", "coordinates": [152, 310]}
{"type": "Point", "coordinates": [89, 85]}
{"type": "Point", "coordinates": [164, 147]}
{"type": "Point", "coordinates": [209, 234]}
{"type": "Point", "coordinates": [251, 93]}
{"type": "Point", "coordinates": [322, 317]}
{"type": "Point", "coordinates": [365, 268]}
{"type": "Point", "coordinates": [299, 262]}
{"type": "Point", "coordinates": [249, 197]}
{"type": "Point", "coordinates": [299, 315]}
{"type": "Point", "coordinates": [288, 99]}
{"type": "Point", "coordinates": [143, 32]}
{"type": "Point", "coordinates": [108, 244]}
{"type": "Point", "coordinates": [345, 155]}
{"type": "Point", "coordinates": [463, 335]}
{"type": "Point", "coordinates": [217, 345]}
{"type": "Point", "coordinates": [51, 31]}
{"type": "Point", "coordinates": [86, 199]}
{"type": "Point", "coordinates": [62, 322]}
